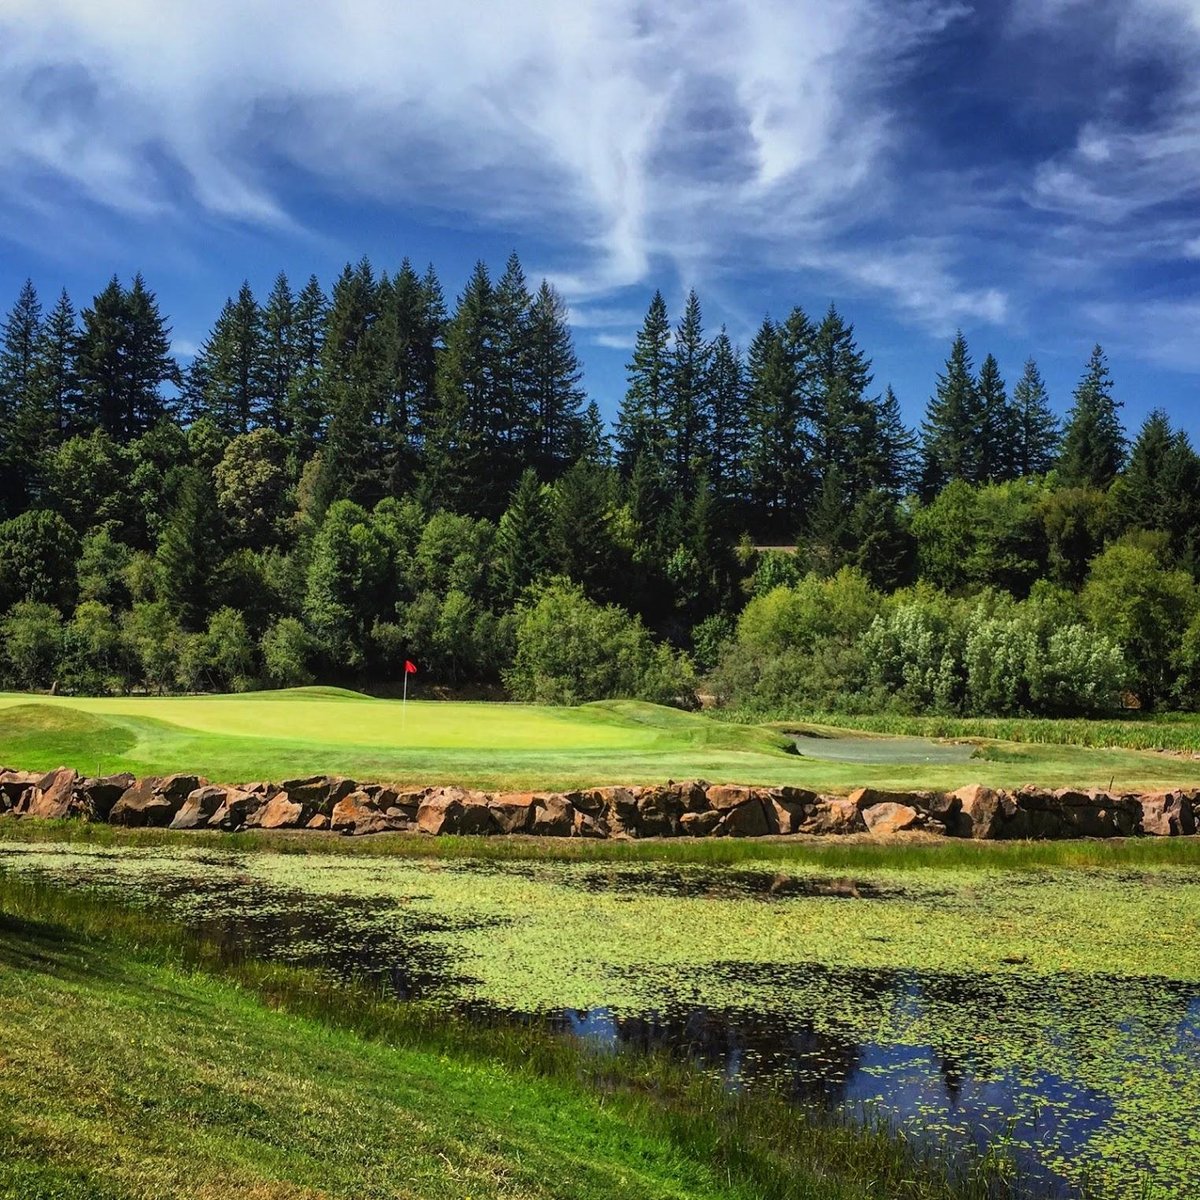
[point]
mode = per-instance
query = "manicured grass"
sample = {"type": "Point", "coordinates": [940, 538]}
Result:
{"type": "Point", "coordinates": [497, 746]}
{"type": "Point", "coordinates": [138, 1063]}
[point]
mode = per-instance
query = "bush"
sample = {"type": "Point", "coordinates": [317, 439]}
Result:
{"type": "Point", "coordinates": [287, 650]}
{"type": "Point", "coordinates": [570, 650]}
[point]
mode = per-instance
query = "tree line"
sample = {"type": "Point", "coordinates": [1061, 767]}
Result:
{"type": "Point", "coordinates": [341, 480]}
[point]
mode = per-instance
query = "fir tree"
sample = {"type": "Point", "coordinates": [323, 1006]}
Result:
{"type": "Point", "coordinates": [233, 365]}
{"type": "Point", "coordinates": [188, 552]}
{"type": "Point", "coordinates": [689, 419]}
{"type": "Point", "coordinates": [523, 535]}
{"type": "Point", "coordinates": [775, 455]}
{"type": "Point", "coordinates": [19, 337]}
{"type": "Point", "coordinates": [893, 468]}
{"type": "Point", "coordinates": [1037, 433]}
{"type": "Point", "coordinates": [554, 383]}
{"type": "Point", "coordinates": [304, 412]}
{"type": "Point", "coordinates": [149, 363]}
{"type": "Point", "coordinates": [56, 379]}
{"type": "Point", "coordinates": [508, 436]}
{"type": "Point", "coordinates": [1158, 489]}
{"type": "Point", "coordinates": [952, 428]}
{"type": "Point", "coordinates": [642, 420]}
{"type": "Point", "coordinates": [279, 358]}
{"type": "Point", "coordinates": [726, 404]}
{"type": "Point", "coordinates": [1093, 445]}
{"type": "Point", "coordinates": [997, 451]}
{"type": "Point", "coordinates": [843, 417]}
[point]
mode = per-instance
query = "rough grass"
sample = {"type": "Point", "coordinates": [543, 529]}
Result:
{"type": "Point", "coordinates": [499, 746]}
{"type": "Point", "coordinates": [139, 1063]}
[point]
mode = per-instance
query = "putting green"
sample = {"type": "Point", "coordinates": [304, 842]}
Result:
{"type": "Point", "coordinates": [305, 730]}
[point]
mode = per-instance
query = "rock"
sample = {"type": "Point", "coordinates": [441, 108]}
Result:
{"type": "Point", "coordinates": [659, 810]}
{"type": "Point", "coordinates": [834, 815]}
{"type": "Point", "coordinates": [319, 792]}
{"type": "Point", "coordinates": [699, 824]}
{"type": "Point", "coordinates": [620, 810]}
{"type": "Point", "coordinates": [724, 796]}
{"type": "Point", "coordinates": [746, 820]}
{"type": "Point", "coordinates": [890, 818]}
{"type": "Point", "coordinates": [441, 811]}
{"type": "Point", "coordinates": [980, 811]}
{"type": "Point", "coordinates": [99, 795]}
{"type": "Point", "coordinates": [320, 821]}
{"type": "Point", "coordinates": [140, 805]}
{"type": "Point", "coordinates": [512, 811]}
{"type": "Point", "coordinates": [553, 816]}
{"type": "Point", "coordinates": [54, 795]}
{"type": "Point", "coordinates": [260, 788]}
{"type": "Point", "coordinates": [589, 826]}
{"type": "Point", "coordinates": [199, 807]}
{"type": "Point", "coordinates": [1166, 814]}
{"type": "Point", "coordinates": [237, 808]}
{"type": "Point", "coordinates": [864, 798]}
{"type": "Point", "coordinates": [476, 816]}
{"type": "Point", "coordinates": [15, 787]}
{"type": "Point", "coordinates": [788, 808]}
{"type": "Point", "coordinates": [282, 812]}
{"type": "Point", "coordinates": [359, 813]}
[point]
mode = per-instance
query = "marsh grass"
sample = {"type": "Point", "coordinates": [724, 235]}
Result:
{"type": "Point", "coordinates": [754, 1143]}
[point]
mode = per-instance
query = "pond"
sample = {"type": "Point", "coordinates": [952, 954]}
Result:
{"type": "Point", "coordinates": [883, 749]}
{"type": "Point", "coordinates": [1059, 1009]}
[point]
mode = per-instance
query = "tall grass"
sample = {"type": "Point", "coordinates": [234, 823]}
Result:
{"type": "Point", "coordinates": [777, 1150]}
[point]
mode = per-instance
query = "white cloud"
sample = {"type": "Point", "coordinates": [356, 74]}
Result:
{"type": "Point", "coordinates": [640, 129]}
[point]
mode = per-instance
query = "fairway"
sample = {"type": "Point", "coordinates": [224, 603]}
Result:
{"type": "Point", "coordinates": [306, 730]}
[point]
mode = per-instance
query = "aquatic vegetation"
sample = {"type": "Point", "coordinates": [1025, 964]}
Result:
{"type": "Point", "coordinates": [1057, 1006]}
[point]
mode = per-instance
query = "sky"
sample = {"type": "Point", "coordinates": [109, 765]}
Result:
{"type": "Point", "coordinates": [1027, 171]}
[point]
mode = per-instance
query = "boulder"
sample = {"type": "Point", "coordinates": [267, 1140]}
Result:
{"type": "Point", "coordinates": [746, 820]}
{"type": "Point", "coordinates": [891, 818]}
{"type": "Point", "coordinates": [834, 815]}
{"type": "Point", "coordinates": [54, 795]}
{"type": "Point", "coordinates": [699, 824]}
{"type": "Point", "coordinates": [236, 810]}
{"type": "Point", "coordinates": [452, 810]}
{"type": "Point", "coordinates": [620, 810]}
{"type": "Point", "coordinates": [589, 826]}
{"type": "Point", "coordinates": [15, 787]}
{"type": "Point", "coordinates": [512, 811]}
{"type": "Point", "coordinates": [659, 810]}
{"type": "Point", "coordinates": [140, 804]}
{"type": "Point", "coordinates": [99, 795]}
{"type": "Point", "coordinates": [725, 796]}
{"type": "Point", "coordinates": [867, 797]}
{"type": "Point", "coordinates": [787, 808]}
{"type": "Point", "coordinates": [553, 816]}
{"type": "Point", "coordinates": [282, 812]}
{"type": "Point", "coordinates": [320, 821]}
{"type": "Point", "coordinates": [1166, 814]}
{"type": "Point", "coordinates": [199, 807]}
{"type": "Point", "coordinates": [979, 812]}
{"type": "Point", "coordinates": [319, 792]}
{"type": "Point", "coordinates": [359, 813]}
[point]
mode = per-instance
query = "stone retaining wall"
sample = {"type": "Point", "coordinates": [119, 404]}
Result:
{"type": "Point", "coordinates": [693, 809]}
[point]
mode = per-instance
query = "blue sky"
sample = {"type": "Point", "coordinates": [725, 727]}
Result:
{"type": "Point", "coordinates": [1029, 171]}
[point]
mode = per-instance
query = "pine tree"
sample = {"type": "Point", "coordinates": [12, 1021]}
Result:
{"type": "Point", "coordinates": [19, 338]}
{"type": "Point", "coordinates": [581, 540]}
{"type": "Point", "coordinates": [593, 443]}
{"type": "Point", "coordinates": [843, 417]}
{"type": "Point", "coordinates": [188, 552]}
{"type": "Point", "coordinates": [1037, 433]}
{"type": "Point", "coordinates": [642, 419]}
{"type": "Point", "coordinates": [508, 437]}
{"type": "Point", "coordinates": [727, 406]}
{"type": "Point", "coordinates": [689, 420]}
{"type": "Point", "coordinates": [55, 376]}
{"type": "Point", "coordinates": [554, 385]}
{"type": "Point", "coordinates": [894, 466]}
{"type": "Point", "coordinates": [149, 363]}
{"type": "Point", "coordinates": [882, 547]}
{"type": "Point", "coordinates": [952, 428]}
{"type": "Point", "coordinates": [1093, 445]}
{"type": "Point", "coordinates": [523, 535]}
{"type": "Point", "coordinates": [1144, 497]}
{"type": "Point", "coordinates": [997, 449]}
{"type": "Point", "coordinates": [279, 357]}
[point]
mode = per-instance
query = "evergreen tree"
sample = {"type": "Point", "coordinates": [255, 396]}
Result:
{"type": "Point", "coordinates": [19, 337]}
{"type": "Point", "coordinates": [892, 465]}
{"type": "Point", "coordinates": [56, 380]}
{"type": "Point", "coordinates": [304, 412]}
{"type": "Point", "coordinates": [997, 449]}
{"type": "Point", "coordinates": [843, 417]}
{"type": "Point", "coordinates": [1093, 445]}
{"type": "Point", "coordinates": [593, 445]}
{"type": "Point", "coordinates": [689, 419]}
{"type": "Point", "coordinates": [581, 540]}
{"type": "Point", "coordinates": [554, 383]}
{"type": "Point", "coordinates": [642, 420]}
{"type": "Point", "coordinates": [455, 449]}
{"type": "Point", "coordinates": [1037, 432]}
{"type": "Point", "coordinates": [951, 432]}
{"type": "Point", "coordinates": [279, 359]}
{"type": "Point", "coordinates": [508, 435]}
{"type": "Point", "coordinates": [231, 371]}
{"type": "Point", "coordinates": [523, 535]}
{"type": "Point", "coordinates": [775, 456]}
{"type": "Point", "coordinates": [1160, 488]}
{"type": "Point", "coordinates": [188, 552]}
{"type": "Point", "coordinates": [882, 546]}
{"type": "Point", "coordinates": [727, 406]}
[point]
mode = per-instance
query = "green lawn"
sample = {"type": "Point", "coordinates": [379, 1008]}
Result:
{"type": "Point", "coordinates": [275, 735]}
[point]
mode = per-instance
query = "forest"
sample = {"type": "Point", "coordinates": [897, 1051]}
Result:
{"type": "Point", "coordinates": [342, 481]}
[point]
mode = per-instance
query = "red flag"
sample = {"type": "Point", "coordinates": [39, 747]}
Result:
{"type": "Point", "coordinates": [409, 668]}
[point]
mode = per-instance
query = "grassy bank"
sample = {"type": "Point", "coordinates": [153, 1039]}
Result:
{"type": "Point", "coordinates": [858, 852]}
{"type": "Point", "coordinates": [138, 1062]}
{"type": "Point", "coordinates": [503, 746]}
